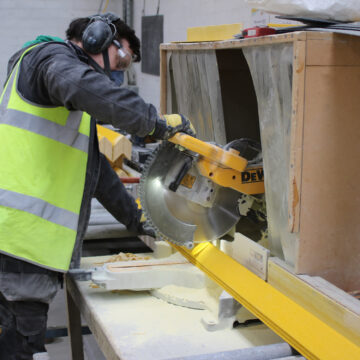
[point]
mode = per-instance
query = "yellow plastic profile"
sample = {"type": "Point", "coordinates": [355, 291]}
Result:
{"type": "Point", "coordinates": [213, 32]}
{"type": "Point", "coordinates": [302, 329]}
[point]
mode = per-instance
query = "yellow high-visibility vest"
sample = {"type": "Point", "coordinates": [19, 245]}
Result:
{"type": "Point", "coordinates": [43, 159]}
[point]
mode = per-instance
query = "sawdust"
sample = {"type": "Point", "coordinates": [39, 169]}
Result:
{"type": "Point", "coordinates": [94, 286]}
{"type": "Point", "coordinates": [124, 257]}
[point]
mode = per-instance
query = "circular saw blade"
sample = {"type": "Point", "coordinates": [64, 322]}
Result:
{"type": "Point", "coordinates": [175, 217]}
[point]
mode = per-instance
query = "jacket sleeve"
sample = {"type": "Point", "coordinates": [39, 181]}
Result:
{"type": "Point", "coordinates": [68, 81]}
{"type": "Point", "coordinates": [111, 193]}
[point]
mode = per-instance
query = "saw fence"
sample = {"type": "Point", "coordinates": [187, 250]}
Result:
{"type": "Point", "coordinates": [298, 94]}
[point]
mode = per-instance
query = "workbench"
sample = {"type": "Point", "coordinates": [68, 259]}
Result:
{"type": "Point", "coordinates": [133, 325]}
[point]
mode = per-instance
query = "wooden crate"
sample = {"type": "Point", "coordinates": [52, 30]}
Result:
{"type": "Point", "coordinates": [322, 227]}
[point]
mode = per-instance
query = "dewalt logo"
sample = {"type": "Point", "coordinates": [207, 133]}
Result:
{"type": "Point", "coordinates": [251, 176]}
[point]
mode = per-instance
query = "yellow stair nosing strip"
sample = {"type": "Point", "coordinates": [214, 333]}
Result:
{"type": "Point", "coordinates": [299, 327]}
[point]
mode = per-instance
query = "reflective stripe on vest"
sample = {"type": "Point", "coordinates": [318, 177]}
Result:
{"type": "Point", "coordinates": [42, 175]}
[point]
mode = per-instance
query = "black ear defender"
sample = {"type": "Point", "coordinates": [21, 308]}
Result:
{"type": "Point", "coordinates": [99, 33]}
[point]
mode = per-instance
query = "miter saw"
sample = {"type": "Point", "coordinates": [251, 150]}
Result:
{"type": "Point", "coordinates": [193, 191]}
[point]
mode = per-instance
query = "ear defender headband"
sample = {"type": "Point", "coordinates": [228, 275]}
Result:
{"type": "Point", "coordinates": [99, 33]}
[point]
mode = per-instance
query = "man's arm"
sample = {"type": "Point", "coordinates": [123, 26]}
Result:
{"type": "Point", "coordinates": [114, 197]}
{"type": "Point", "coordinates": [58, 77]}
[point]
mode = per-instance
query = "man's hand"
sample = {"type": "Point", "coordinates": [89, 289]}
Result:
{"type": "Point", "coordinates": [144, 228]}
{"type": "Point", "coordinates": [168, 125]}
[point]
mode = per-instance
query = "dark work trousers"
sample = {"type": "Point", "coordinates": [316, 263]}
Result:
{"type": "Point", "coordinates": [23, 319]}
{"type": "Point", "coordinates": [22, 328]}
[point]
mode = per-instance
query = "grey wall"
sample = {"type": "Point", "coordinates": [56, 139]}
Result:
{"type": "Point", "coordinates": [23, 20]}
{"type": "Point", "coordinates": [178, 16]}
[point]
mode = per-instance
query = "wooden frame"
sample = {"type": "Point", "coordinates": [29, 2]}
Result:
{"type": "Point", "coordinates": [324, 176]}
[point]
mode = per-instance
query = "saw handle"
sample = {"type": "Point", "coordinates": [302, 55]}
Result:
{"type": "Point", "coordinates": [183, 171]}
{"type": "Point", "coordinates": [215, 154]}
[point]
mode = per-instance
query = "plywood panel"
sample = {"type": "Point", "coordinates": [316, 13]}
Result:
{"type": "Point", "coordinates": [297, 124]}
{"type": "Point", "coordinates": [334, 49]}
{"type": "Point", "coordinates": [330, 200]}
{"type": "Point", "coordinates": [233, 44]}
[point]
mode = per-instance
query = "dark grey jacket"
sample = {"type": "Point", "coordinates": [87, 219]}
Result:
{"type": "Point", "coordinates": [59, 74]}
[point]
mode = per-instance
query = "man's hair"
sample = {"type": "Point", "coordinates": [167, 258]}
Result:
{"type": "Point", "coordinates": [123, 31]}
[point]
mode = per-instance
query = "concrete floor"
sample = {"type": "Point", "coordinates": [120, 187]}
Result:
{"type": "Point", "coordinates": [59, 348]}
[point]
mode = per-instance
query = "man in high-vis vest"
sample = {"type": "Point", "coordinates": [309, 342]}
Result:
{"type": "Point", "coordinates": [50, 165]}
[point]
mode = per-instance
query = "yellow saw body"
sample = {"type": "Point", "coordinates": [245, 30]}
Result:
{"type": "Point", "coordinates": [224, 167]}
{"type": "Point", "coordinates": [190, 189]}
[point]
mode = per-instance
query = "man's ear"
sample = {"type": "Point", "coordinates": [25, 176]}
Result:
{"type": "Point", "coordinates": [98, 35]}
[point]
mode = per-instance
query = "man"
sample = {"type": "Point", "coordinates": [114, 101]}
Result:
{"type": "Point", "coordinates": [50, 166]}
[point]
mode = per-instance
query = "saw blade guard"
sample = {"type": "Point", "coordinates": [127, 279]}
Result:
{"type": "Point", "coordinates": [202, 212]}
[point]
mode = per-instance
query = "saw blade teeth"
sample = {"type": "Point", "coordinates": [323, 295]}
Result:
{"type": "Point", "coordinates": [147, 166]}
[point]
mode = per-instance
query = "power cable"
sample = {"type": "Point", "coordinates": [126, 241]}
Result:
{"type": "Point", "coordinates": [158, 8]}
{"type": "Point", "coordinates": [106, 5]}
{"type": "Point", "coordinates": [100, 6]}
